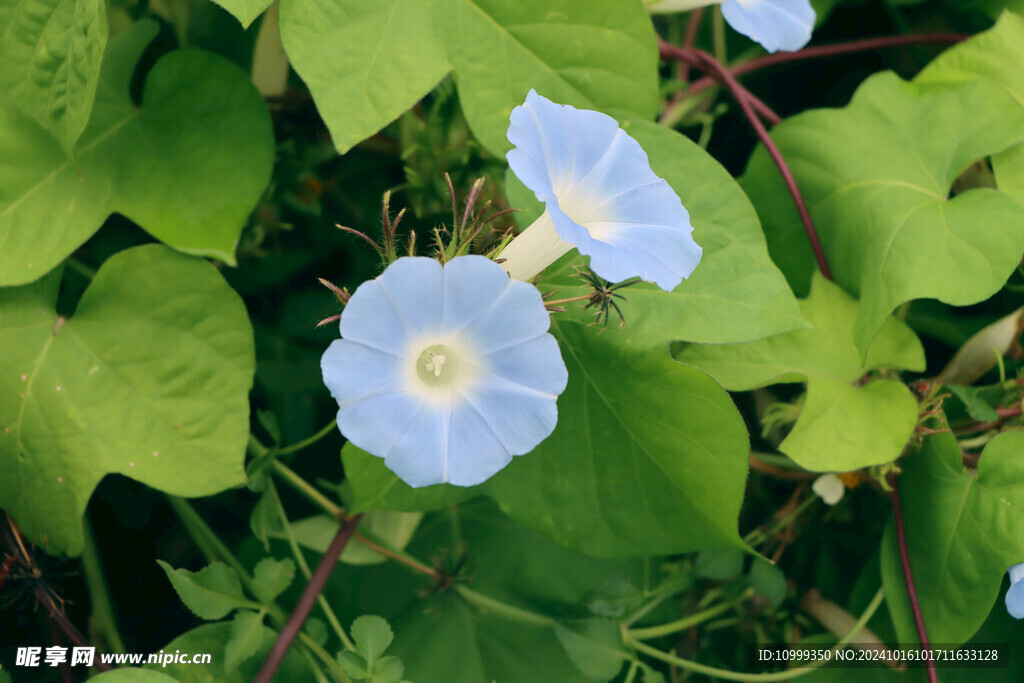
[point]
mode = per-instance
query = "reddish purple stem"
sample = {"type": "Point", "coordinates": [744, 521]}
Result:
{"type": "Point", "coordinates": [908, 577]}
{"type": "Point", "coordinates": [316, 585]}
{"type": "Point", "coordinates": [742, 96]}
{"type": "Point", "coordinates": [819, 51]}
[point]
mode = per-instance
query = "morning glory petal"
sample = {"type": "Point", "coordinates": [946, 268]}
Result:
{"type": "Point", "coordinates": [361, 421]}
{"type": "Point", "coordinates": [476, 451]}
{"type": "Point", "coordinates": [534, 413]}
{"type": "Point", "coordinates": [419, 452]}
{"type": "Point", "coordinates": [426, 347]}
{"type": "Point", "coordinates": [1015, 595]}
{"type": "Point", "coordinates": [412, 286]}
{"type": "Point", "coordinates": [775, 24]}
{"type": "Point", "coordinates": [597, 185]}
{"type": "Point", "coordinates": [366, 371]}
{"type": "Point", "coordinates": [535, 366]}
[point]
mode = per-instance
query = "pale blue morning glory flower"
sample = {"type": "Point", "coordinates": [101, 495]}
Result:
{"type": "Point", "coordinates": [601, 196]}
{"type": "Point", "coordinates": [446, 372]}
{"type": "Point", "coordinates": [775, 24]}
{"type": "Point", "coordinates": [1015, 595]}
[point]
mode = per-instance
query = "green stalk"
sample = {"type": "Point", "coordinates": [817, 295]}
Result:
{"type": "Point", "coordinates": [309, 441]}
{"type": "Point", "coordinates": [103, 618]}
{"type": "Point", "coordinates": [502, 609]}
{"type": "Point", "coordinates": [300, 560]}
{"type": "Point", "coordinates": [728, 675]}
{"type": "Point", "coordinates": [688, 621]}
{"type": "Point", "coordinates": [305, 489]}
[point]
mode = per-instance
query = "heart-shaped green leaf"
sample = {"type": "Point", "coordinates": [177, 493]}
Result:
{"type": "Point", "coordinates": [188, 165]}
{"type": "Point", "coordinates": [366, 63]}
{"type": "Point", "coordinates": [963, 531]}
{"type": "Point", "coordinates": [996, 56]}
{"type": "Point", "coordinates": [843, 425]}
{"type": "Point", "coordinates": [51, 52]}
{"type": "Point", "coordinates": [877, 176]}
{"type": "Point", "coordinates": [149, 378]}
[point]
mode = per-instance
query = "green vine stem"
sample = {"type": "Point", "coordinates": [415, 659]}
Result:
{"type": "Point", "coordinates": [305, 489]}
{"type": "Point", "coordinates": [309, 441]}
{"type": "Point", "coordinates": [728, 675]}
{"type": "Point", "coordinates": [689, 621]}
{"type": "Point", "coordinates": [758, 536]}
{"type": "Point", "coordinates": [104, 621]}
{"type": "Point", "coordinates": [503, 609]}
{"type": "Point", "coordinates": [300, 560]}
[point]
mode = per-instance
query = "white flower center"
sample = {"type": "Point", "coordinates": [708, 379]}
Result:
{"type": "Point", "coordinates": [437, 366]}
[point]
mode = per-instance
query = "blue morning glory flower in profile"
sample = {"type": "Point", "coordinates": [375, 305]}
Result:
{"type": "Point", "coordinates": [446, 372]}
{"type": "Point", "coordinates": [1015, 595]}
{"type": "Point", "coordinates": [601, 196]}
{"type": "Point", "coordinates": [775, 24]}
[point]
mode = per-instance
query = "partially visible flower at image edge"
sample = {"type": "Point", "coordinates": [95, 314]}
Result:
{"type": "Point", "coordinates": [1015, 595]}
{"type": "Point", "coordinates": [600, 196]}
{"type": "Point", "coordinates": [775, 24]}
{"type": "Point", "coordinates": [445, 372]}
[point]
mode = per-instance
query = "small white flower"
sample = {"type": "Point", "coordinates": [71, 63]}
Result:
{"type": "Point", "coordinates": [829, 487]}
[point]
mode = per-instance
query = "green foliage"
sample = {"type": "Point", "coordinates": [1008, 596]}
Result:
{"type": "Point", "coordinates": [636, 438]}
{"type": "Point", "coordinates": [187, 165]}
{"type": "Point", "coordinates": [594, 646]}
{"type": "Point", "coordinates": [876, 176]}
{"type": "Point", "coordinates": [211, 593]}
{"type": "Point", "coordinates": [157, 360]}
{"type": "Point", "coordinates": [51, 52]}
{"type": "Point", "coordinates": [212, 639]}
{"type": "Point", "coordinates": [134, 676]}
{"type": "Point", "coordinates": [248, 637]}
{"type": "Point", "coordinates": [963, 532]}
{"type": "Point", "coordinates": [595, 55]}
{"type": "Point", "coordinates": [444, 638]}
{"type": "Point", "coordinates": [831, 433]}
{"type": "Point", "coordinates": [372, 636]}
{"type": "Point", "coordinates": [271, 577]}
{"type": "Point", "coordinates": [611, 552]}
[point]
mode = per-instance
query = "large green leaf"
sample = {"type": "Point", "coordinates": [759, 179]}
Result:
{"type": "Point", "coordinates": [843, 425]}
{"type": "Point", "coordinates": [877, 175]}
{"type": "Point", "coordinates": [736, 294]}
{"type": "Point", "coordinates": [996, 56]}
{"type": "Point", "coordinates": [149, 379]}
{"type": "Point", "coordinates": [364, 62]}
{"type": "Point", "coordinates": [442, 639]}
{"type": "Point", "coordinates": [187, 165]}
{"type": "Point", "coordinates": [51, 52]}
{"type": "Point", "coordinates": [641, 442]}
{"type": "Point", "coordinates": [600, 54]}
{"type": "Point", "coordinates": [963, 532]}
